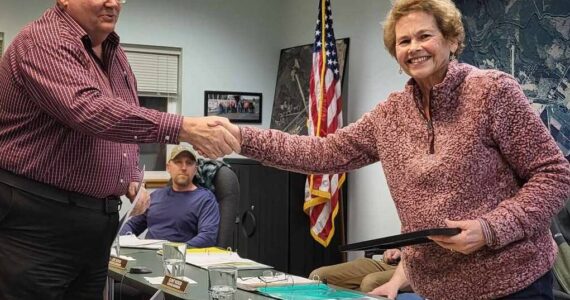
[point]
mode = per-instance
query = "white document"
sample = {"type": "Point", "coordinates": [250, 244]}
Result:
{"type": "Point", "coordinates": [159, 279]}
{"type": "Point", "coordinates": [138, 195]}
{"type": "Point", "coordinates": [132, 241]}
{"type": "Point", "coordinates": [204, 260]}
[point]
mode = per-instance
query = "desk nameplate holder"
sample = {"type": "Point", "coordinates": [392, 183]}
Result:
{"type": "Point", "coordinates": [174, 283]}
{"type": "Point", "coordinates": [117, 262]}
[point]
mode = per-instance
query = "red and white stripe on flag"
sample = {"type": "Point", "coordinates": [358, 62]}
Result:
{"type": "Point", "coordinates": [325, 117]}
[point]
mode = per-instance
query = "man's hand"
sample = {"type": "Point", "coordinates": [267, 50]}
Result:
{"type": "Point", "coordinates": [142, 203]}
{"type": "Point", "coordinates": [469, 240]}
{"type": "Point", "coordinates": [132, 191]}
{"type": "Point", "coordinates": [232, 128]}
{"type": "Point", "coordinates": [388, 290]}
{"type": "Point", "coordinates": [207, 138]}
{"type": "Point", "coordinates": [391, 256]}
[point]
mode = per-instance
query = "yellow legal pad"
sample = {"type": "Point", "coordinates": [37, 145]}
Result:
{"type": "Point", "coordinates": [211, 250]}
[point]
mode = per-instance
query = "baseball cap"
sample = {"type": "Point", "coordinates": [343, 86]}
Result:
{"type": "Point", "coordinates": [183, 148]}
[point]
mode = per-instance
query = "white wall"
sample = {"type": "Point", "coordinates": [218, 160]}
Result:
{"type": "Point", "coordinates": [14, 15]}
{"type": "Point", "coordinates": [227, 45]}
{"type": "Point", "coordinates": [235, 45]}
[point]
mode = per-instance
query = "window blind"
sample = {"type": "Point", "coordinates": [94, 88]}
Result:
{"type": "Point", "coordinates": [156, 72]}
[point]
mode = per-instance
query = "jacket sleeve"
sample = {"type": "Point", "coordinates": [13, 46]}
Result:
{"type": "Point", "coordinates": [528, 148]}
{"type": "Point", "coordinates": [349, 148]}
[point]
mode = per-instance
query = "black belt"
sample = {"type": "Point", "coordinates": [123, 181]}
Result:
{"type": "Point", "coordinates": [106, 205]}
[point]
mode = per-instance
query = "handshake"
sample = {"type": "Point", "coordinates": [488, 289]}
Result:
{"type": "Point", "coordinates": [212, 137]}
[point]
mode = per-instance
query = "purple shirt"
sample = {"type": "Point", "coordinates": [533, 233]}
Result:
{"type": "Point", "coordinates": [69, 119]}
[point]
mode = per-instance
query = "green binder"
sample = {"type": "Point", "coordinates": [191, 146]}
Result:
{"type": "Point", "coordinates": [310, 291]}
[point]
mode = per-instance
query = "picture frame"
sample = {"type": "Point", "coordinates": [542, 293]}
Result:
{"type": "Point", "coordinates": [290, 105]}
{"type": "Point", "coordinates": [238, 107]}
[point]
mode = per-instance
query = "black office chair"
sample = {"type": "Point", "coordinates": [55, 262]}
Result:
{"type": "Point", "coordinates": [227, 193]}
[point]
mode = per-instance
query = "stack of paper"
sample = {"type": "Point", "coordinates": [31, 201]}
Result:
{"type": "Point", "coordinates": [132, 241]}
{"type": "Point", "coordinates": [205, 257]}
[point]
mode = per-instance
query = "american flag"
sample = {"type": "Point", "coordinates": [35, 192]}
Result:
{"type": "Point", "coordinates": [325, 117]}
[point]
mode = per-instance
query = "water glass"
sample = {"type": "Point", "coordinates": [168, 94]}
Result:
{"type": "Point", "coordinates": [174, 259]}
{"type": "Point", "coordinates": [222, 282]}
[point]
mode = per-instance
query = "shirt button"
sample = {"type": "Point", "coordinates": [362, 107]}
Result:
{"type": "Point", "coordinates": [167, 138]}
{"type": "Point", "coordinates": [121, 180]}
{"type": "Point", "coordinates": [124, 154]}
{"type": "Point", "coordinates": [136, 137]}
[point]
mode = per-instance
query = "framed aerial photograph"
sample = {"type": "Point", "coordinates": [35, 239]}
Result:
{"type": "Point", "coordinates": [239, 107]}
{"type": "Point", "coordinates": [290, 105]}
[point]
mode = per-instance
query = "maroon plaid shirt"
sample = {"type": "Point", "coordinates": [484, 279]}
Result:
{"type": "Point", "coordinates": [69, 119]}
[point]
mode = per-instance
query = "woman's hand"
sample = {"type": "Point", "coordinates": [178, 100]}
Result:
{"type": "Point", "coordinates": [469, 240]}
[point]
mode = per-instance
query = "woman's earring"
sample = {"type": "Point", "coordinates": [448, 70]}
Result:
{"type": "Point", "coordinates": [452, 57]}
{"type": "Point", "coordinates": [400, 71]}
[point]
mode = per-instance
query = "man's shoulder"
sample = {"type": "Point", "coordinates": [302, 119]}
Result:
{"type": "Point", "coordinates": [48, 31]}
{"type": "Point", "coordinates": [206, 192]}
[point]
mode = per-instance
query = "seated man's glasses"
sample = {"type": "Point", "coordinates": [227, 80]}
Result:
{"type": "Point", "coordinates": [269, 276]}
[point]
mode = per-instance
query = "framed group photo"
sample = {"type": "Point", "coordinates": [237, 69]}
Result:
{"type": "Point", "coordinates": [238, 107]}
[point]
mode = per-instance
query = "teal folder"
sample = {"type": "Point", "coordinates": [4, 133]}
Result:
{"type": "Point", "coordinates": [310, 291]}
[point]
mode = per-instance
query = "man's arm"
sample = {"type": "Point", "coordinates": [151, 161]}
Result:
{"type": "Point", "coordinates": [69, 93]}
{"type": "Point", "coordinates": [397, 282]}
{"type": "Point", "coordinates": [208, 224]}
{"type": "Point", "coordinates": [136, 225]}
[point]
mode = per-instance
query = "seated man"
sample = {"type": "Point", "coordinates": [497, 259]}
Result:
{"type": "Point", "coordinates": [362, 274]}
{"type": "Point", "coordinates": [183, 212]}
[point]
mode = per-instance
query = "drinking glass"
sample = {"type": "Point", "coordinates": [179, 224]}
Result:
{"type": "Point", "coordinates": [174, 259]}
{"type": "Point", "coordinates": [222, 282]}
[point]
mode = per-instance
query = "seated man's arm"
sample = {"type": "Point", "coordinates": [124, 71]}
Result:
{"type": "Point", "coordinates": [136, 225]}
{"type": "Point", "coordinates": [208, 224]}
{"type": "Point", "coordinates": [397, 282]}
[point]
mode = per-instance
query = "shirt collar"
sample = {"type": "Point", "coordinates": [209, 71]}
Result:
{"type": "Point", "coordinates": [441, 92]}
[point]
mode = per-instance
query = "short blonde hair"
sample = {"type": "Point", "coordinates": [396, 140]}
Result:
{"type": "Point", "coordinates": [446, 14]}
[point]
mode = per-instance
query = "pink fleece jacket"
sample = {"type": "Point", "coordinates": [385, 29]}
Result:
{"type": "Point", "coordinates": [486, 156]}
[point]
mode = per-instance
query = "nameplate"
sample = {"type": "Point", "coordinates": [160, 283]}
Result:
{"type": "Point", "coordinates": [176, 284]}
{"type": "Point", "coordinates": [117, 262]}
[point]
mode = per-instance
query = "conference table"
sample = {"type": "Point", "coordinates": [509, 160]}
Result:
{"type": "Point", "coordinates": [152, 260]}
